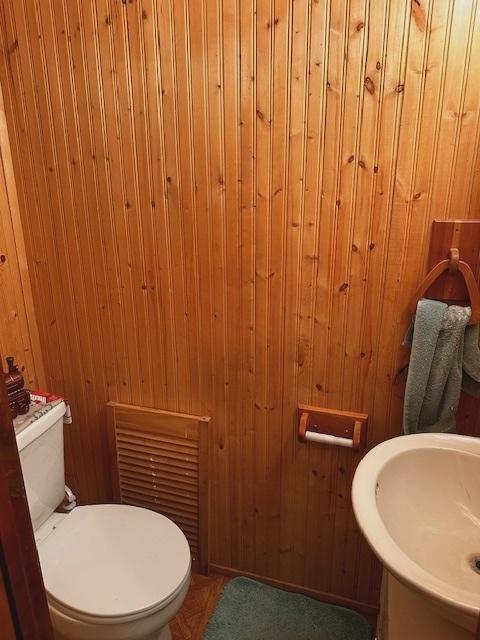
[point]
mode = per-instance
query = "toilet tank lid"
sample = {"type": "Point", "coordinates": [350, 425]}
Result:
{"type": "Point", "coordinates": [114, 561]}
{"type": "Point", "coordinates": [41, 419]}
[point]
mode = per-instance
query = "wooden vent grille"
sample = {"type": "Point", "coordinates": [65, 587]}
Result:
{"type": "Point", "coordinates": [161, 463]}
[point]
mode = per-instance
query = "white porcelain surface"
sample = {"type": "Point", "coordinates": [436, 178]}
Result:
{"type": "Point", "coordinates": [417, 500]}
{"type": "Point", "coordinates": [150, 626]}
{"type": "Point", "coordinates": [41, 455]}
{"type": "Point", "coordinates": [113, 561]}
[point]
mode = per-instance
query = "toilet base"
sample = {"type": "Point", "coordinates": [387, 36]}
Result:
{"type": "Point", "coordinates": [153, 627]}
{"type": "Point", "coordinates": [165, 634]}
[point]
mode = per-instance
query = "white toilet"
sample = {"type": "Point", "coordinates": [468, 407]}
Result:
{"type": "Point", "coordinates": [112, 572]}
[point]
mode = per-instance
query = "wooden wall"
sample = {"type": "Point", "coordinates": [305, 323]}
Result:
{"type": "Point", "coordinates": [226, 206]}
{"type": "Point", "coordinates": [19, 335]}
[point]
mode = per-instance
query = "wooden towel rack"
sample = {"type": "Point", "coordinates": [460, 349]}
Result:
{"type": "Point", "coordinates": [454, 266]}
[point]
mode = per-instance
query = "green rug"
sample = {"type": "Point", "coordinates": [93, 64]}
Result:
{"type": "Point", "coordinates": [249, 610]}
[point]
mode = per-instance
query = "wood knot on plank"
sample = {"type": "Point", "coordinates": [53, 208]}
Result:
{"type": "Point", "coordinates": [418, 15]}
{"type": "Point", "coordinates": [13, 47]}
{"type": "Point", "coordinates": [369, 85]}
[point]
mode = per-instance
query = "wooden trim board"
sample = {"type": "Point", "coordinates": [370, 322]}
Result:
{"type": "Point", "coordinates": [20, 564]}
{"type": "Point", "coordinates": [6, 613]}
{"type": "Point", "coordinates": [363, 608]}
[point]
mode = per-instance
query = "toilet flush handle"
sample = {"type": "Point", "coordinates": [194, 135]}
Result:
{"type": "Point", "coordinates": [70, 500]}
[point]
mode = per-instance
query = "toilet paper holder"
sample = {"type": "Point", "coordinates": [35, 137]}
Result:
{"type": "Point", "coordinates": [330, 426]}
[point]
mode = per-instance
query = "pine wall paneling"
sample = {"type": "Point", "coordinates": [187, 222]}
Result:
{"type": "Point", "coordinates": [19, 335]}
{"type": "Point", "coordinates": [226, 207]}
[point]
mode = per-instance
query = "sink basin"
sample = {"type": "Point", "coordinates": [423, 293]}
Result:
{"type": "Point", "coordinates": [417, 501]}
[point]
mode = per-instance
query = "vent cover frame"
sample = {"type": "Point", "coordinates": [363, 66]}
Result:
{"type": "Point", "coordinates": [160, 461]}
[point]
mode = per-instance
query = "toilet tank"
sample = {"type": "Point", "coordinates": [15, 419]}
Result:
{"type": "Point", "coordinates": [40, 445]}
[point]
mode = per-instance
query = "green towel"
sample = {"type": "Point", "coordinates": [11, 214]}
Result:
{"type": "Point", "coordinates": [471, 362]}
{"type": "Point", "coordinates": [435, 371]}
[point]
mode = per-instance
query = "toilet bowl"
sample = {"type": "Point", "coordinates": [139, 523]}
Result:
{"type": "Point", "coordinates": [113, 572]}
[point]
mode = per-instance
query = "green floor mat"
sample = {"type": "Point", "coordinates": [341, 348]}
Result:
{"type": "Point", "coordinates": [249, 610]}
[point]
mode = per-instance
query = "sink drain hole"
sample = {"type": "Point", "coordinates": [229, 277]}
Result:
{"type": "Point", "coordinates": [475, 563]}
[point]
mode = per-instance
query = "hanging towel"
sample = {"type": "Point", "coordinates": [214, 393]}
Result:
{"type": "Point", "coordinates": [435, 371]}
{"type": "Point", "coordinates": [471, 361]}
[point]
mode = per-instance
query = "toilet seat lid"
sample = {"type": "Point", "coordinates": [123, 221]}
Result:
{"type": "Point", "coordinates": [114, 561]}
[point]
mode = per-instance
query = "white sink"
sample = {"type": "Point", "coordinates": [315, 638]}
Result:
{"type": "Point", "coordinates": [417, 501]}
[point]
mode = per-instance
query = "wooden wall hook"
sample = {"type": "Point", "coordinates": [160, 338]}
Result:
{"type": "Point", "coordinates": [457, 267]}
{"type": "Point", "coordinates": [454, 257]}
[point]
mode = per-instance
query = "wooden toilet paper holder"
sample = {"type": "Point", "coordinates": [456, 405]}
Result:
{"type": "Point", "coordinates": [330, 426]}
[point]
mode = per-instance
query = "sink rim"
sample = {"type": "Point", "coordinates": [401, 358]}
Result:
{"type": "Point", "coordinates": [379, 538]}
